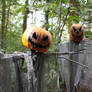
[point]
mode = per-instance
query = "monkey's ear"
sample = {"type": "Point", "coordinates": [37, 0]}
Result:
{"type": "Point", "coordinates": [80, 28]}
{"type": "Point", "coordinates": [74, 28]}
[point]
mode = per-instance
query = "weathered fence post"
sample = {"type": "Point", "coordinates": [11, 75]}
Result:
{"type": "Point", "coordinates": [40, 72]}
{"type": "Point", "coordinates": [4, 74]}
{"type": "Point", "coordinates": [35, 65]}
{"type": "Point", "coordinates": [18, 70]}
{"type": "Point", "coordinates": [71, 72]}
{"type": "Point", "coordinates": [11, 72]}
{"type": "Point", "coordinates": [64, 65]}
{"type": "Point", "coordinates": [31, 76]}
{"type": "Point", "coordinates": [73, 67]}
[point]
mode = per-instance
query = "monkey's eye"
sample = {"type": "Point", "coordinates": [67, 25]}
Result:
{"type": "Point", "coordinates": [34, 35]}
{"type": "Point", "coordinates": [80, 28]}
{"type": "Point", "coordinates": [45, 38]}
{"type": "Point", "coordinates": [74, 29]}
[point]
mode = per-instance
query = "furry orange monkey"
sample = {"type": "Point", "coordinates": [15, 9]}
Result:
{"type": "Point", "coordinates": [76, 33]}
{"type": "Point", "coordinates": [37, 39]}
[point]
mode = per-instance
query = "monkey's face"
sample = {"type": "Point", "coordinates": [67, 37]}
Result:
{"type": "Point", "coordinates": [77, 29]}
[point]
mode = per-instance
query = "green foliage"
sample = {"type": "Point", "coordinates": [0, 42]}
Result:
{"type": "Point", "coordinates": [88, 34]}
{"type": "Point", "coordinates": [13, 42]}
{"type": "Point", "coordinates": [65, 1]}
{"type": "Point", "coordinates": [73, 19]}
{"type": "Point", "coordinates": [17, 7]}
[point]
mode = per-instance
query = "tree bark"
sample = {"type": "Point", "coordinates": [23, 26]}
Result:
{"type": "Point", "coordinates": [46, 16]}
{"type": "Point", "coordinates": [3, 21]}
{"type": "Point", "coordinates": [59, 22]}
{"type": "Point", "coordinates": [7, 16]}
{"type": "Point", "coordinates": [26, 11]}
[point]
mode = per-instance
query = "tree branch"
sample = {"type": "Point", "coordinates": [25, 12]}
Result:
{"type": "Point", "coordinates": [76, 63]}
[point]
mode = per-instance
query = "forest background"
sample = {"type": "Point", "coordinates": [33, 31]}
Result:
{"type": "Point", "coordinates": [56, 15]}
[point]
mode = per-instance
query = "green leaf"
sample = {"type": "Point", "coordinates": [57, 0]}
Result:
{"type": "Point", "coordinates": [65, 1]}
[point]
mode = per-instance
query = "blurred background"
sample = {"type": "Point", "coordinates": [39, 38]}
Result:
{"type": "Point", "coordinates": [55, 15]}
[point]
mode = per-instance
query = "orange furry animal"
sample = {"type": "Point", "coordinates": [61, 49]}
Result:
{"type": "Point", "coordinates": [76, 33]}
{"type": "Point", "coordinates": [37, 39]}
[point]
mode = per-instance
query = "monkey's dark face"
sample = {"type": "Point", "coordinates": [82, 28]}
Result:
{"type": "Point", "coordinates": [77, 29]}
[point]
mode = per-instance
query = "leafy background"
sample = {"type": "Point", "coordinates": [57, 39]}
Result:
{"type": "Point", "coordinates": [61, 14]}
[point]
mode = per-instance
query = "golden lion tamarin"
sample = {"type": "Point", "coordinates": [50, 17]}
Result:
{"type": "Point", "coordinates": [76, 33]}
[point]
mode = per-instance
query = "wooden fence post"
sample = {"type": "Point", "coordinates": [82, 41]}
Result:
{"type": "Point", "coordinates": [18, 70]}
{"type": "Point", "coordinates": [73, 67]}
{"type": "Point", "coordinates": [32, 81]}
{"type": "Point", "coordinates": [70, 71]}
{"type": "Point", "coordinates": [4, 74]}
{"type": "Point", "coordinates": [35, 65]}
